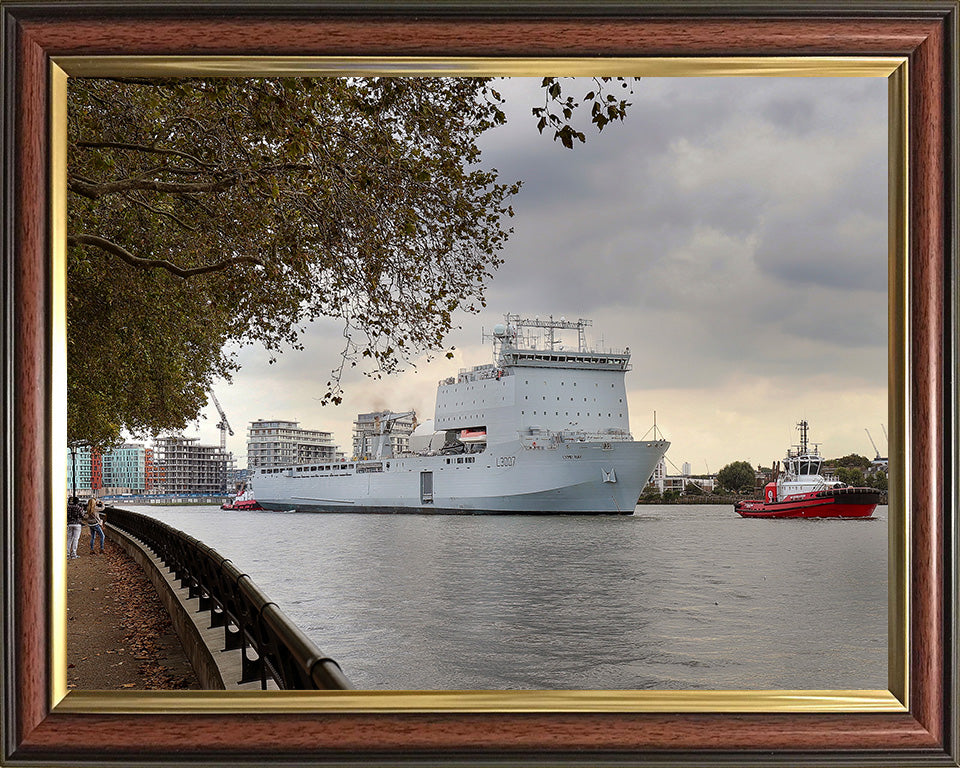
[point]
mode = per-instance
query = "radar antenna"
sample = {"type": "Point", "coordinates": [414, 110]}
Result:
{"type": "Point", "coordinates": [551, 327]}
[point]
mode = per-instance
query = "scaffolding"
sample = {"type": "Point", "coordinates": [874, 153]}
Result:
{"type": "Point", "coordinates": [187, 467]}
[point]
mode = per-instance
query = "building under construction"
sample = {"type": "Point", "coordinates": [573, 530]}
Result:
{"type": "Point", "coordinates": [186, 467]}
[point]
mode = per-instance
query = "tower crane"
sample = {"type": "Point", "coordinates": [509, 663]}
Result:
{"type": "Point", "coordinates": [223, 425]}
{"type": "Point", "coordinates": [873, 444]}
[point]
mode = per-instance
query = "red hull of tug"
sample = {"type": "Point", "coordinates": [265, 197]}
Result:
{"type": "Point", "coordinates": [250, 504]}
{"type": "Point", "coordinates": [835, 502]}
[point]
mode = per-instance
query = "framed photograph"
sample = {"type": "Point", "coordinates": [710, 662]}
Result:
{"type": "Point", "coordinates": [913, 47]}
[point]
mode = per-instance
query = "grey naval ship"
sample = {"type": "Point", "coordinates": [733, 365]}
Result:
{"type": "Point", "coordinates": [542, 430]}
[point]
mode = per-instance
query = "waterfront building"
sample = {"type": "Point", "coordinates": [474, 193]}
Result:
{"type": "Point", "coordinates": [366, 432]}
{"type": "Point", "coordinates": [190, 468]}
{"type": "Point", "coordinates": [152, 475]}
{"type": "Point", "coordinates": [236, 477]}
{"type": "Point", "coordinates": [659, 475]}
{"type": "Point", "coordinates": [664, 482]}
{"type": "Point", "coordinates": [126, 467]}
{"type": "Point", "coordinates": [82, 459]}
{"type": "Point", "coordinates": [277, 443]}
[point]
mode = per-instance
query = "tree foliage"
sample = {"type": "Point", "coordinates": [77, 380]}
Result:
{"type": "Point", "coordinates": [207, 214]}
{"type": "Point", "coordinates": [737, 476]}
{"type": "Point", "coordinates": [850, 476]}
{"type": "Point", "coordinates": [558, 109]}
{"type": "Point", "coordinates": [878, 480]}
{"type": "Point", "coordinates": [852, 460]}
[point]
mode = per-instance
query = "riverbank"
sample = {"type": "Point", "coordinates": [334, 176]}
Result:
{"type": "Point", "coordinates": [119, 636]}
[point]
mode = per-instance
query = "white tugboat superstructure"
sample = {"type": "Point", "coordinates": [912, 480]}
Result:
{"type": "Point", "coordinates": [542, 430]}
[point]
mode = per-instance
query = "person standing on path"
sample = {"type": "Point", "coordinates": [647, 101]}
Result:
{"type": "Point", "coordinates": [74, 518]}
{"type": "Point", "coordinates": [95, 522]}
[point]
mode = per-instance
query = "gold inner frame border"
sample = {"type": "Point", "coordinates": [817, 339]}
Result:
{"type": "Point", "coordinates": [561, 701]}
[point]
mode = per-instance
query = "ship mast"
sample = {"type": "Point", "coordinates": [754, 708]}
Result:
{"type": "Point", "coordinates": [803, 437]}
{"type": "Point", "coordinates": [551, 326]}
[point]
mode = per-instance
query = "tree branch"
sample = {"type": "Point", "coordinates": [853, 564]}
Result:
{"type": "Point", "coordinates": [144, 204]}
{"type": "Point", "coordinates": [93, 191]}
{"type": "Point", "coordinates": [140, 148]}
{"type": "Point", "coordinates": [141, 263]}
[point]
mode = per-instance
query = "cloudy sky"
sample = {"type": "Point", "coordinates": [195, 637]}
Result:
{"type": "Point", "coordinates": [732, 232]}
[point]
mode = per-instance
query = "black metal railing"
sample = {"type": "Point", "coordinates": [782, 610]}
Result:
{"type": "Point", "coordinates": [270, 644]}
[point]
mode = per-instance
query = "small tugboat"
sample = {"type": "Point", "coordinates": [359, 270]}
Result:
{"type": "Point", "coordinates": [801, 491]}
{"type": "Point", "coordinates": [243, 500]}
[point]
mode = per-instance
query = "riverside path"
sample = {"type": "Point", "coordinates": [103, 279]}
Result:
{"type": "Point", "coordinates": [119, 635]}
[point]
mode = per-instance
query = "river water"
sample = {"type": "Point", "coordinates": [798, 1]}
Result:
{"type": "Point", "coordinates": [671, 597]}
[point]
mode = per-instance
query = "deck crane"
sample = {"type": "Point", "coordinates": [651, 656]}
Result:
{"type": "Point", "coordinates": [224, 425]}
{"type": "Point", "coordinates": [384, 425]}
{"type": "Point", "coordinates": [877, 458]}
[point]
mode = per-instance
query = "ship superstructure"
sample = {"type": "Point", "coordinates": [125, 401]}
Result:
{"type": "Point", "coordinates": [544, 429]}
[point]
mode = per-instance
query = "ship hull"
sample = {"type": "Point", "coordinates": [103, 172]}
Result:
{"type": "Point", "coordinates": [580, 478]}
{"type": "Point", "coordinates": [838, 503]}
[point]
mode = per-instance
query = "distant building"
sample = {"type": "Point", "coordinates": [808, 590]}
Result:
{"type": "Point", "coordinates": [236, 476]}
{"type": "Point", "coordinates": [186, 467]}
{"type": "Point", "coordinates": [664, 482]}
{"type": "Point", "coordinates": [151, 472]}
{"type": "Point", "coordinates": [128, 468]}
{"type": "Point", "coordinates": [80, 460]}
{"type": "Point", "coordinates": [284, 443]}
{"type": "Point", "coordinates": [366, 434]}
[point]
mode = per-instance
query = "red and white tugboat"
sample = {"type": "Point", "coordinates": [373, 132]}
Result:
{"type": "Point", "coordinates": [243, 500]}
{"type": "Point", "coordinates": [801, 491]}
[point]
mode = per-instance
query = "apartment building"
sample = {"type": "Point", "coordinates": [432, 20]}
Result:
{"type": "Point", "coordinates": [128, 468]}
{"type": "Point", "coordinates": [80, 471]}
{"type": "Point", "coordinates": [664, 482]}
{"type": "Point", "coordinates": [277, 443]}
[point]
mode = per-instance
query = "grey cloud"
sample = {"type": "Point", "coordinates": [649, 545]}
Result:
{"type": "Point", "coordinates": [728, 228]}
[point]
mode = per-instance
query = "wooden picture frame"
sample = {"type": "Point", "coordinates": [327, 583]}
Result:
{"type": "Point", "coordinates": [916, 723]}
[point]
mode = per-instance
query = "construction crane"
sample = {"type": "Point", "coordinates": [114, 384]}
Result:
{"type": "Point", "coordinates": [873, 444]}
{"type": "Point", "coordinates": [224, 425]}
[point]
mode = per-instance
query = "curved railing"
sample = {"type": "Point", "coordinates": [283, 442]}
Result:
{"type": "Point", "coordinates": [271, 645]}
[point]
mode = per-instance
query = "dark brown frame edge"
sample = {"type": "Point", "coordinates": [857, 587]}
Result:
{"type": "Point", "coordinates": [925, 32]}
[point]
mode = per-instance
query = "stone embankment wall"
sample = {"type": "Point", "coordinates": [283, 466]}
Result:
{"type": "Point", "coordinates": [216, 668]}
